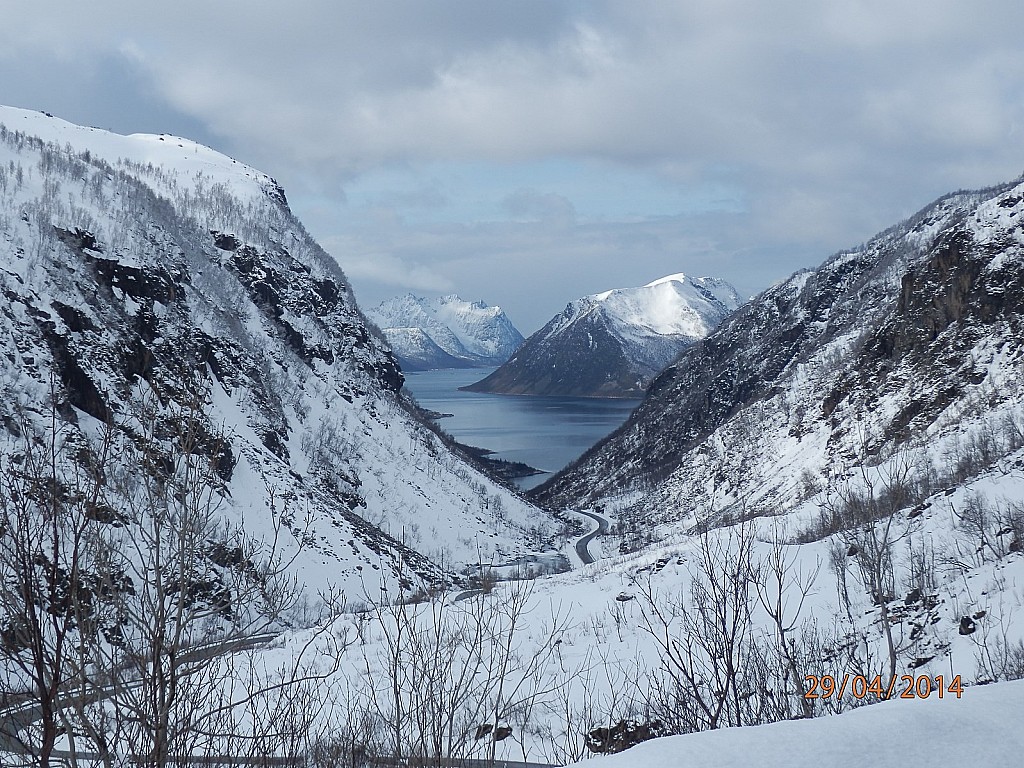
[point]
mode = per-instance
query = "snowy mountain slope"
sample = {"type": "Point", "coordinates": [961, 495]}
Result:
{"type": "Point", "coordinates": [613, 343]}
{"type": "Point", "coordinates": [445, 332]}
{"type": "Point", "coordinates": [915, 336]}
{"type": "Point", "coordinates": [142, 267]}
{"type": "Point", "coordinates": [416, 350]}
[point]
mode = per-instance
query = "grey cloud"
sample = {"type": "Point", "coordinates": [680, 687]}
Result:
{"type": "Point", "coordinates": [545, 206]}
{"type": "Point", "coordinates": [352, 84]}
{"type": "Point", "coordinates": [424, 197]}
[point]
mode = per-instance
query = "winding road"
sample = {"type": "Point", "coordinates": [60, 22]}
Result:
{"type": "Point", "coordinates": [583, 544]}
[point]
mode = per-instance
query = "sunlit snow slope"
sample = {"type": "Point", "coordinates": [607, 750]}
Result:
{"type": "Point", "coordinates": [911, 342]}
{"type": "Point", "coordinates": [980, 728]}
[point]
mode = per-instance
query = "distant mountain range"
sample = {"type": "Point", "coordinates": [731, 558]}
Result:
{"type": "Point", "coordinates": [612, 344]}
{"type": "Point", "coordinates": [445, 332]}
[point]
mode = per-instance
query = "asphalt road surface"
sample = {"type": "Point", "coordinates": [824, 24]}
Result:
{"type": "Point", "coordinates": [583, 545]}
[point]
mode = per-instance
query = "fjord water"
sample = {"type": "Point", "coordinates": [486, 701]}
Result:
{"type": "Point", "coordinates": [544, 432]}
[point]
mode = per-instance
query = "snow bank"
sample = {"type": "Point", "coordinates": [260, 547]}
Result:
{"type": "Point", "coordinates": [980, 729]}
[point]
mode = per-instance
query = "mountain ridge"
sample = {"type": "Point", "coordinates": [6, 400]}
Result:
{"type": "Point", "coordinates": [146, 267]}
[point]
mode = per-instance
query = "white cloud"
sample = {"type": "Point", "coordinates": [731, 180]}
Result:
{"type": "Point", "coordinates": [389, 270]}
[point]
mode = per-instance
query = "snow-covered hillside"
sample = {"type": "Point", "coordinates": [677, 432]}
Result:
{"type": "Point", "coordinates": [445, 332]}
{"type": "Point", "coordinates": [141, 270]}
{"type": "Point", "coordinates": [911, 343]}
{"type": "Point", "coordinates": [612, 344]}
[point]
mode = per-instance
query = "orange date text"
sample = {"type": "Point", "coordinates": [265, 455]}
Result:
{"type": "Point", "coordinates": [900, 687]}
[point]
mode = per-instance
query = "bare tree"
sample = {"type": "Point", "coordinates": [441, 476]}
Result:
{"type": "Point", "coordinates": [703, 637]}
{"type": "Point", "coordinates": [122, 586]}
{"type": "Point", "coordinates": [870, 529]}
{"type": "Point", "coordinates": [449, 677]}
{"type": "Point", "coordinates": [782, 589]}
{"type": "Point", "coordinates": [48, 584]}
{"type": "Point", "coordinates": [195, 586]}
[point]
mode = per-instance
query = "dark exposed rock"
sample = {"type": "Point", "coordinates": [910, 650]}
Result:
{"type": "Point", "coordinates": [78, 240]}
{"type": "Point", "coordinates": [967, 626]}
{"type": "Point", "coordinates": [328, 293]}
{"type": "Point", "coordinates": [623, 735]}
{"type": "Point", "coordinates": [153, 283]}
{"type": "Point", "coordinates": [104, 513]}
{"type": "Point", "coordinates": [73, 318]}
{"type": "Point", "coordinates": [274, 444]}
{"type": "Point", "coordinates": [225, 241]}
{"type": "Point", "coordinates": [81, 391]}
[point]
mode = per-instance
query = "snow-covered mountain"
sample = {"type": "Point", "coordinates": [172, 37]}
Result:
{"type": "Point", "coordinates": [612, 344]}
{"type": "Point", "coordinates": [143, 276]}
{"type": "Point", "coordinates": [445, 332]}
{"type": "Point", "coordinates": [911, 343]}
{"type": "Point", "coordinates": [149, 272]}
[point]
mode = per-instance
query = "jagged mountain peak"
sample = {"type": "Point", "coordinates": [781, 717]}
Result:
{"type": "Point", "coordinates": [445, 332]}
{"type": "Point", "coordinates": [912, 338]}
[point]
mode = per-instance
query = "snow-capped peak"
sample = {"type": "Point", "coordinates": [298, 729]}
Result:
{"type": "Point", "coordinates": [674, 305]}
{"type": "Point", "coordinates": [611, 344]}
{"type": "Point", "coordinates": [678, 277]}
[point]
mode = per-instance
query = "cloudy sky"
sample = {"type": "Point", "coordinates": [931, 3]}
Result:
{"type": "Point", "coordinates": [527, 152]}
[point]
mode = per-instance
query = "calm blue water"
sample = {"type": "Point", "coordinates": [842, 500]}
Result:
{"type": "Point", "coordinates": [544, 432]}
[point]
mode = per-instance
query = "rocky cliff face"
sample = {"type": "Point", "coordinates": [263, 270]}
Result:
{"type": "Point", "coordinates": [613, 344]}
{"type": "Point", "coordinates": [446, 332]}
{"type": "Point", "coordinates": [148, 272]}
{"type": "Point", "coordinates": [912, 342]}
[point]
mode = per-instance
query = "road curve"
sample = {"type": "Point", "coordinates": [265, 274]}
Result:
{"type": "Point", "coordinates": [583, 544]}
